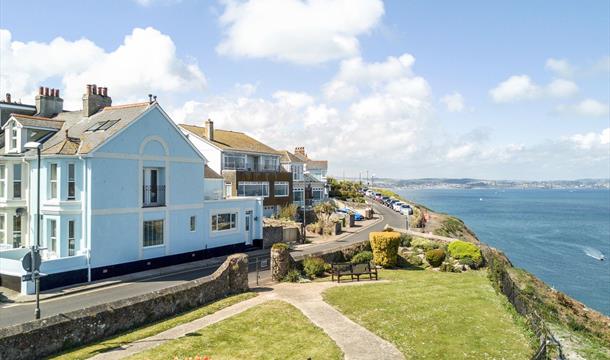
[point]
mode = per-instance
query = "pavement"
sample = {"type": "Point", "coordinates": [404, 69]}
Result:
{"type": "Point", "coordinates": [70, 299]}
{"type": "Point", "coordinates": [355, 341]}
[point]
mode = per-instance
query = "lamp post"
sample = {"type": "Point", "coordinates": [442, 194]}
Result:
{"type": "Point", "coordinates": [36, 248]}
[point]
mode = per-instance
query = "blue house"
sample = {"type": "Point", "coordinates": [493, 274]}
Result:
{"type": "Point", "coordinates": [122, 190]}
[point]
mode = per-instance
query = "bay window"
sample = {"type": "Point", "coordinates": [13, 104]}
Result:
{"type": "Point", "coordinates": [17, 181]}
{"type": "Point", "coordinates": [52, 245]}
{"type": "Point", "coordinates": [71, 238]}
{"type": "Point", "coordinates": [17, 231]}
{"type": "Point", "coordinates": [71, 182]}
{"type": "Point", "coordinates": [2, 181]}
{"type": "Point", "coordinates": [224, 222]}
{"type": "Point", "coordinates": [2, 229]}
{"type": "Point", "coordinates": [53, 181]}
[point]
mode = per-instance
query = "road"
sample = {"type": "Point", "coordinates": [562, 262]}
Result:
{"type": "Point", "coordinates": [11, 314]}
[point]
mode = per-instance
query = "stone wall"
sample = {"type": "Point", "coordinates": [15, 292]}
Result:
{"type": "Point", "coordinates": [340, 255]}
{"type": "Point", "coordinates": [272, 235]}
{"type": "Point", "coordinates": [40, 338]}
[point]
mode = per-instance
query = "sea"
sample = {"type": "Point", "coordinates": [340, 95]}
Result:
{"type": "Point", "coordinates": [557, 235]}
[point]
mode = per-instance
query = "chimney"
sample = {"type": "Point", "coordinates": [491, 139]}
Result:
{"type": "Point", "coordinates": [48, 102]}
{"type": "Point", "coordinates": [95, 99]}
{"type": "Point", "coordinates": [209, 129]}
{"type": "Point", "coordinates": [8, 97]}
{"type": "Point", "coordinates": [300, 151]}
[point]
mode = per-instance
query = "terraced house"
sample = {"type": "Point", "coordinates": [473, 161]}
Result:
{"type": "Point", "coordinates": [249, 167]}
{"type": "Point", "coordinates": [309, 177]}
{"type": "Point", "coordinates": [122, 189]}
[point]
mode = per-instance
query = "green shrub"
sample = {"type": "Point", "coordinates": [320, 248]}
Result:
{"type": "Point", "coordinates": [461, 249]}
{"type": "Point", "coordinates": [362, 257]}
{"type": "Point", "coordinates": [447, 267]}
{"type": "Point", "coordinates": [313, 267]}
{"type": "Point", "coordinates": [405, 240]}
{"type": "Point", "coordinates": [385, 247]}
{"type": "Point", "coordinates": [451, 227]}
{"type": "Point", "coordinates": [467, 260]}
{"type": "Point", "coordinates": [435, 257]}
{"type": "Point", "coordinates": [424, 244]}
{"type": "Point", "coordinates": [293, 276]}
{"type": "Point", "coordinates": [288, 212]}
{"type": "Point", "coordinates": [279, 246]}
{"type": "Point", "coordinates": [414, 260]}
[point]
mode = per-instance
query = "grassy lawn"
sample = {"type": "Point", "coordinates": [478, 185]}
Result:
{"type": "Point", "coordinates": [152, 329]}
{"type": "Point", "coordinates": [437, 315]}
{"type": "Point", "coordinates": [272, 330]}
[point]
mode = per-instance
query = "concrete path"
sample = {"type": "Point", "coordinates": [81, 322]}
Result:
{"type": "Point", "coordinates": [355, 341]}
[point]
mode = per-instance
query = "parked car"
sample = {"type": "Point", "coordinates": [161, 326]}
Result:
{"type": "Point", "coordinates": [357, 216]}
{"type": "Point", "coordinates": [406, 210]}
{"type": "Point", "coordinates": [397, 205]}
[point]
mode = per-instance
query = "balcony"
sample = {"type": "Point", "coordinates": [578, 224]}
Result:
{"type": "Point", "coordinates": [153, 196]}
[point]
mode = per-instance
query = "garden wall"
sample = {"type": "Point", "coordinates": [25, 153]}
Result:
{"type": "Point", "coordinates": [40, 338]}
{"type": "Point", "coordinates": [335, 255]}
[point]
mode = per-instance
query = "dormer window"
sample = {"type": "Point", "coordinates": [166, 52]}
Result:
{"type": "Point", "coordinates": [14, 138]}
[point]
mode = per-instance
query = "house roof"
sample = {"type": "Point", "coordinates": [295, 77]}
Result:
{"type": "Point", "coordinates": [288, 157]}
{"type": "Point", "coordinates": [211, 174]}
{"type": "Point", "coordinates": [231, 140]}
{"type": "Point", "coordinates": [313, 164]}
{"type": "Point", "coordinates": [73, 134]}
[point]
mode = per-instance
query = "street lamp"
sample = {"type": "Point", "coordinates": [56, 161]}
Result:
{"type": "Point", "coordinates": [36, 248]}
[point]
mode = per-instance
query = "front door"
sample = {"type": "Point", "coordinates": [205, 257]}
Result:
{"type": "Point", "coordinates": [248, 227]}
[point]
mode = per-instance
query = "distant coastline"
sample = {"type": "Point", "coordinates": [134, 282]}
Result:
{"type": "Point", "coordinates": [469, 183]}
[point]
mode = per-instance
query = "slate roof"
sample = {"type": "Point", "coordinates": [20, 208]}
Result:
{"type": "Point", "coordinates": [211, 174]}
{"type": "Point", "coordinates": [313, 164]}
{"type": "Point", "coordinates": [77, 140]}
{"type": "Point", "coordinates": [231, 140]}
{"type": "Point", "coordinates": [288, 157]}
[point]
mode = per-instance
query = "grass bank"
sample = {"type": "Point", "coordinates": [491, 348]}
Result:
{"type": "Point", "coordinates": [272, 330]}
{"type": "Point", "coordinates": [152, 329]}
{"type": "Point", "coordinates": [437, 315]}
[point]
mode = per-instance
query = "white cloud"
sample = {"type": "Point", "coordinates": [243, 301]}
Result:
{"type": "Point", "coordinates": [454, 102]}
{"type": "Point", "coordinates": [591, 140]}
{"type": "Point", "coordinates": [145, 62]}
{"type": "Point", "coordinates": [302, 32]}
{"type": "Point", "coordinates": [560, 66]}
{"type": "Point", "coordinates": [515, 88]}
{"type": "Point", "coordinates": [586, 108]}
{"type": "Point", "coordinates": [562, 88]}
{"type": "Point", "coordinates": [293, 99]}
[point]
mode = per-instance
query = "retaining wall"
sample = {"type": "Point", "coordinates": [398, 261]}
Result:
{"type": "Point", "coordinates": [40, 338]}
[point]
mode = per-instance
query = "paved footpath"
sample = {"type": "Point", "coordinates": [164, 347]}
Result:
{"type": "Point", "coordinates": [355, 341]}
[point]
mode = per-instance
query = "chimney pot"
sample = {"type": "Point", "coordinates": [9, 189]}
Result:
{"type": "Point", "coordinates": [57, 92]}
{"type": "Point", "coordinates": [41, 91]}
{"type": "Point", "coordinates": [105, 91]}
{"type": "Point", "coordinates": [8, 97]}
{"type": "Point", "coordinates": [150, 98]}
{"type": "Point", "coordinates": [94, 89]}
{"type": "Point", "coordinates": [46, 91]}
{"type": "Point", "coordinates": [102, 91]}
{"type": "Point", "coordinates": [88, 90]}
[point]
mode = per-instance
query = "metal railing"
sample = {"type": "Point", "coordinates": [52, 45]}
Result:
{"type": "Point", "coordinates": [153, 196]}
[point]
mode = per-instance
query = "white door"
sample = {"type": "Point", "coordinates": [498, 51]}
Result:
{"type": "Point", "coordinates": [248, 227]}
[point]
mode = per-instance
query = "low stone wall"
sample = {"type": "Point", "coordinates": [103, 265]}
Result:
{"type": "Point", "coordinates": [337, 255]}
{"type": "Point", "coordinates": [272, 235]}
{"type": "Point", "coordinates": [40, 338]}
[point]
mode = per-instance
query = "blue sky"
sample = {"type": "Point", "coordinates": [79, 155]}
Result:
{"type": "Point", "coordinates": [266, 67]}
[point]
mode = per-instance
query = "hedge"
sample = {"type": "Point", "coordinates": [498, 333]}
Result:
{"type": "Point", "coordinates": [385, 247]}
{"type": "Point", "coordinates": [435, 257]}
{"type": "Point", "coordinates": [462, 250]}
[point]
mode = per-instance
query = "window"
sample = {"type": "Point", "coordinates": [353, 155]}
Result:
{"type": "Point", "coordinates": [17, 231]}
{"type": "Point", "coordinates": [269, 163]}
{"type": "Point", "coordinates": [14, 138]}
{"type": "Point", "coordinates": [317, 193]}
{"type": "Point", "coordinates": [252, 188]}
{"type": "Point", "coordinates": [2, 181]}
{"type": "Point", "coordinates": [102, 125]}
{"type": "Point", "coordinates": [71, 239]}
{"type": "Point", "coordinates": [280, 188]}
{"type": "Point", "coordinates": [71, 182]}
{"type": "Point", "coordinates": [193, 223]}
{"type": "Point", "coordinates": [297, 172]}
{"type": "Point", "coordinates": [153, 192]}
{"type": "Point", "coordinates": [2, 229]}
{"type": "Point", "coordinates": [234, 162]}
{"type": "Point", "coordinates": [153, 233]}
{"type": "Point", "coordinates": [17, 181]}
{"type": "Point", "coordinates": [53, 181]}
{"type": "Point", "coordinates": [228, 190]}
{"type": "Point", "coordinates": [298, 195]}
{"type": "Point", "coordinates": [52, 236]}
{"type": "Point", "coordinates": [223, 222]}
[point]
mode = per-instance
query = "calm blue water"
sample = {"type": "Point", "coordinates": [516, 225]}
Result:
{"type": "Point", "coordinates": [546, 232]}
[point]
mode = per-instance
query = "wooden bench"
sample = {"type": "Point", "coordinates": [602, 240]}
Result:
{"type": "Point", "coordinates": [353, 271]}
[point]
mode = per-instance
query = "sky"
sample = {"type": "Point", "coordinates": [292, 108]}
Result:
{"type": "Point", "coordinates": [401, 89]}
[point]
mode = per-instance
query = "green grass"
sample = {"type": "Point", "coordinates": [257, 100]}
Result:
{"type": "Point", "coordinates": [436, 315]}
{"type": "Point", "coordinates": [272, 330]}
{"type": "Point", "coordinates": [152, 329]}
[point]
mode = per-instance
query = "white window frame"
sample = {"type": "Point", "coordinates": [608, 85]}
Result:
{"type": "Point", "coordinates": [302, 191]}
{"type": "Point", "coordinates": [71, 181]}
{"type": "Point", "coordinates": [14, 138]}
{"type": "Point", "coordinates": [153, 242]}
{"type": "Point", "coordinates": [71, 237]}
{"type": "Point", "coordinates": [53, 175]}
{"type": "Point", "coordinates": [193, 223]}
{"type": "Point", "coordinates": [232, 222]}
{"type": "Point", "coordinates": [263, 184]}
{"type": "Point", "coordinates": [279, 184]}
{"type": "Point", "coordinates": [268, 163]}
{"type": "Point", "coordinates": [3, 239]}
{"type": "Point", "coordinates": [320, 190]}
{"type": "Point", "coordinates": [3, 189]}
{"type": "Point", "coordinates": [17, 180]}
{"type": "Point", "coordinates": [233, 158]}
{"type": "Point", "coordinates": [52, 245]}
{"type": "Point", "coordinates": [17, 230]}
{"type": "Point", "coordinates": [228, 190]}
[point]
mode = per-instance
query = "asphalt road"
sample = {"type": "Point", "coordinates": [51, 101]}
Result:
{"type": "Point", "coordinates": [11, 314]}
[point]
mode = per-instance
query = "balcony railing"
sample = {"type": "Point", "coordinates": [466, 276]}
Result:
{"type": "Point", "coordinates": [153, 196]}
